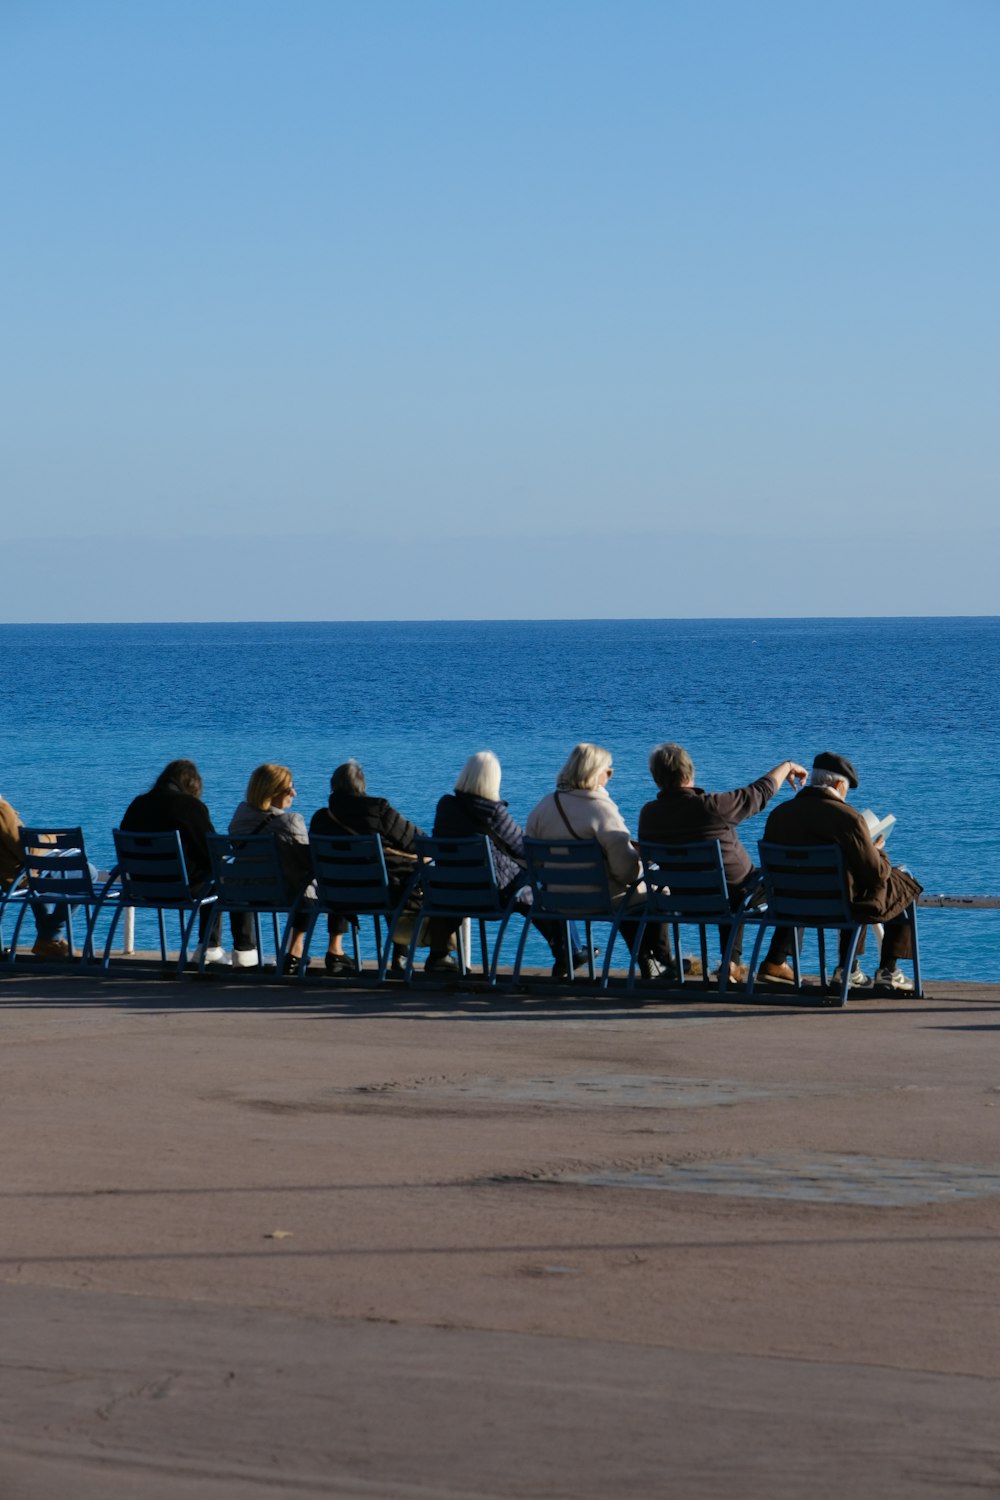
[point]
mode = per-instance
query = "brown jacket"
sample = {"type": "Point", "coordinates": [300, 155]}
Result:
{"type": "Point", "coordinates": [10, 850]}
{"type": "Point", "coordinates": [877, 891]}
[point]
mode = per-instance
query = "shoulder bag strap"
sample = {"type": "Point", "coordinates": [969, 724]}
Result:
{"type": "Point", "coordinates": [562, 814]}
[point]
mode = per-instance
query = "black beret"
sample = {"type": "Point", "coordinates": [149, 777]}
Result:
{"type": "Point", "coordinates": [838, 764]}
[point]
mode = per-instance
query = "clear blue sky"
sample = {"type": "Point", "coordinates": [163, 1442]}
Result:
{"type": "Point", "coordinates": [431, 308]}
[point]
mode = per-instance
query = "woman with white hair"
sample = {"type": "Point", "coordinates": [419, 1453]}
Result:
{"type": "Point", "coordinates": [475, 807]}
{"type": "Point", "coordinates": [581, 808]}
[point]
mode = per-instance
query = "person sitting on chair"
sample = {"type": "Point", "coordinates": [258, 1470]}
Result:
{"type": "Point", "coordinates": [581, 807]}
{"type": "Point", "coordinates": [267, 808]}
{"type": "Point", "coordinates": [351, 812]}
{"type": "Point", "coordinates": [49, 917]}
{"type": "Point", "coordinates": [173, 804]}
{"type": "Point", "coordinates": [877, 890]}
{"type": "Point", "coordinates": [683, 813]}
{"type": "Point", "coordinates": [475, 807]}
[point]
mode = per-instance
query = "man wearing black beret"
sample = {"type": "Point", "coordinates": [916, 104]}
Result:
{"type": "Point", "coordinates": [878, 892]}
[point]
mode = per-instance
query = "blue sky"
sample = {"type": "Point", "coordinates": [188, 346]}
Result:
{"type": "Point", "coordinates": [454, 308]}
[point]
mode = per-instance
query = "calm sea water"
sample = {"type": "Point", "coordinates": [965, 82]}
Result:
{"type": "Point", "coordinates": [92, 713]}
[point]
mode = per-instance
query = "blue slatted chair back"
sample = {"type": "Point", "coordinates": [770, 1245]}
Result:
{"type": "Point", "coordinates": [152, 869]}
{"type": "Point", "coordinates": [457, 878]}
{"type": "Point", "coordinates": [56, 872]}
{"type": "Point", "coordinates": [247, 873]}
{"type": "Point", "coordinates": [685, 882]}
{"type": "Point", "coordinates": [56, 866]}
{"type": "Point", "coordinates": [350, 872]}
{"type": "Point", "coordinates": [568, 879]}
{"type": "Point", "coordinates": [805, 885]}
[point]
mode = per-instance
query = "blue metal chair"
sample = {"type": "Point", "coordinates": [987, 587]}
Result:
{"type": "Point", "coordinates": [56, 871]}
{"type": "Point", "coordinates": [686, 887]}
{"type": "Point", "coordinates": [154, 877]}
{"type": "Point", "coordinates": [569, 883]}
{"type": "Point", "coordinates": [247, 875]}
{"type": "Point", "coordinates": [352, 881]}
{"type": "Point", "coordinates": [806, 887]}
{"type": "Point", "coordinates": [458, 879]}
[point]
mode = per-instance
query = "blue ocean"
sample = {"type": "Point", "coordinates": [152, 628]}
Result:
{"type": "Point", "coordinates": [93, 712]}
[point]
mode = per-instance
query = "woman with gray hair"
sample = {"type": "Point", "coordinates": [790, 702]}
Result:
{"type": "Point", "coordinates": [581, 807]}
{"type": "Point", "coordinates": [475, 807]}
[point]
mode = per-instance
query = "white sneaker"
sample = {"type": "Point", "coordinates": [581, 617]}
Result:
{"type": "Point", "coordinates": [893, 980]}
{"type": "Point", "coordinates": [212, 956]}
{"type": "Point", "coordinates": [244, 958]}
{"type": "Point", "coordinates": [859, 980]}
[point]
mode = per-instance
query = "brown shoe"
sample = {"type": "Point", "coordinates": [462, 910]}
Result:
{"type": "Point", "coordinates": [778, 973]}
{"type": "Point", "coordinates": [51, 948]}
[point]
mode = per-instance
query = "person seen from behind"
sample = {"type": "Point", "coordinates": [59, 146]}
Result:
{"type": "Point", "coordinates": [684, 813]}
{"type": "Point", "coordinates": [878, 891]}
{"type": "Point", "coordinates": [267, 809]}
{"type": "Point", "coordinates": [351, 811]}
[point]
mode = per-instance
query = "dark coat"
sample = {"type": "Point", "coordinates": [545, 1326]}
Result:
{"type": "Point", "coordinates": [461, 814]}
{"type": "Point", "coordinates": [346, 814]}
{"type": "Point", "coordinates": [816, 815]}
{"type": "Point", "coordinates": [167, 808]}
{"type": "Point", "coordinates": [684, 814]}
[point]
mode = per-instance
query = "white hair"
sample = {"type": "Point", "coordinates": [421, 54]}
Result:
{"type": "Point", "coordinates": [480, 776]}
{"type": "Point", "coordinates": [828, 779]}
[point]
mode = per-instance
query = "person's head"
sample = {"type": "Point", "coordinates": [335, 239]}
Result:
{"type": "Point", "coordinates": [348, 778]}
{"type": "Point", "coordinates": [834, 772]}
{"type": "Point", "coordinates": [269, 785]}
{"type": "Point", "coordinates": [670, 766]}
{"type": "Point", "coordinates": [587, 767]}
{"type": "Point", "coordinates": [183, 774]}
{"type": "Point", "coordinates": [481, 776]}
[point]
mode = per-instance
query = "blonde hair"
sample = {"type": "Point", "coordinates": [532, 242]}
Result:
{"type": "Point", "coordinates": [583, 766]}
{"type": "Point", "coordinates": [480, 776]}
{"type": "Point", "coordinates": [267, 784]}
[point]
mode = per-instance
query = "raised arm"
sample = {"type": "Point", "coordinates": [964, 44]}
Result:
{"type": "Point", "coordinates": [789, 770]}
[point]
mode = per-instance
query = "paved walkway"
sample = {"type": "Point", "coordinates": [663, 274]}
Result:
{"type": "Point", "coordinates": [441, 1245]}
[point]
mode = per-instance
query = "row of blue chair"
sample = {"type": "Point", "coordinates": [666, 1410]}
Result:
{"type": "Point", "coordinates": [684, 886]}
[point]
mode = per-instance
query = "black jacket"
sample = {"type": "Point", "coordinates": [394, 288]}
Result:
{"type": "Point", "coordinates": [345, 814]}
{"type": "Point", "coordinates": [167, 808]}
{"type": "Point", "coordinates": [461, 814]}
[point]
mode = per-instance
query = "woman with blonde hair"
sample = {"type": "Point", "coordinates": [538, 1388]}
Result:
{"type": "Point", "coordinates": [267, 809]}
{"type": "Point", "coordinates": [581, 808]}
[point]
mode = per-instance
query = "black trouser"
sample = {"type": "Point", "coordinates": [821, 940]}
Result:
{"type": "Point", "coordinates": [245, 934]}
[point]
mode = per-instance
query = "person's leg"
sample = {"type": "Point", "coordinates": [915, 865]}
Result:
{"type": "Point", "coordinates": [655, 941]}
{"type": "Point", "coordinates": [775, 964]}
{"type": "Point", "coordinates": [241, 926]}
{"type": "Point", "coordinates": [442, 938]}
{"type": "Point", "coordinates": [897, 943]}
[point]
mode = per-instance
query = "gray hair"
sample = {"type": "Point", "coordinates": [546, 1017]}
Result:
{"type": "Point", "coordinates": [670, 765]}
{"type": "Point", "coordinates": [348, 778]}
{"type": "Point", "coordinates": [829, 779]}
{"type": "Point", "coordinates": [480, 776]}
{"type": "Point", "coordinates": [584, 764]}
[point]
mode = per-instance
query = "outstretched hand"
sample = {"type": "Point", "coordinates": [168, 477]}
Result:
{"type": "Point", "coordinates": [797, 775]}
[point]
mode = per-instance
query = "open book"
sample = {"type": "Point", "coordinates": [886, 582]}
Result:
{"type": "Point", "coordinates": [879, 827]}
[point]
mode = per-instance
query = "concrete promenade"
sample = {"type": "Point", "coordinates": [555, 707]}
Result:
{"type": "Point", "coordinates": [437, 1244]}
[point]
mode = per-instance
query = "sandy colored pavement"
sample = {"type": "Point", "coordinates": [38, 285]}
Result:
{"type": "Point", "coordinates": [257, 1243]}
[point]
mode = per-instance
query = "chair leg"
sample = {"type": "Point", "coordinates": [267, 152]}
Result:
{"type": "Point", "coordinates": [519, 955]}
{"type": "Point", "coordinates": [501, 933]}
{"type": "Point", "coordinates": [748, 987]}
{"type": "Point", "coordinates": [848, 966]}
